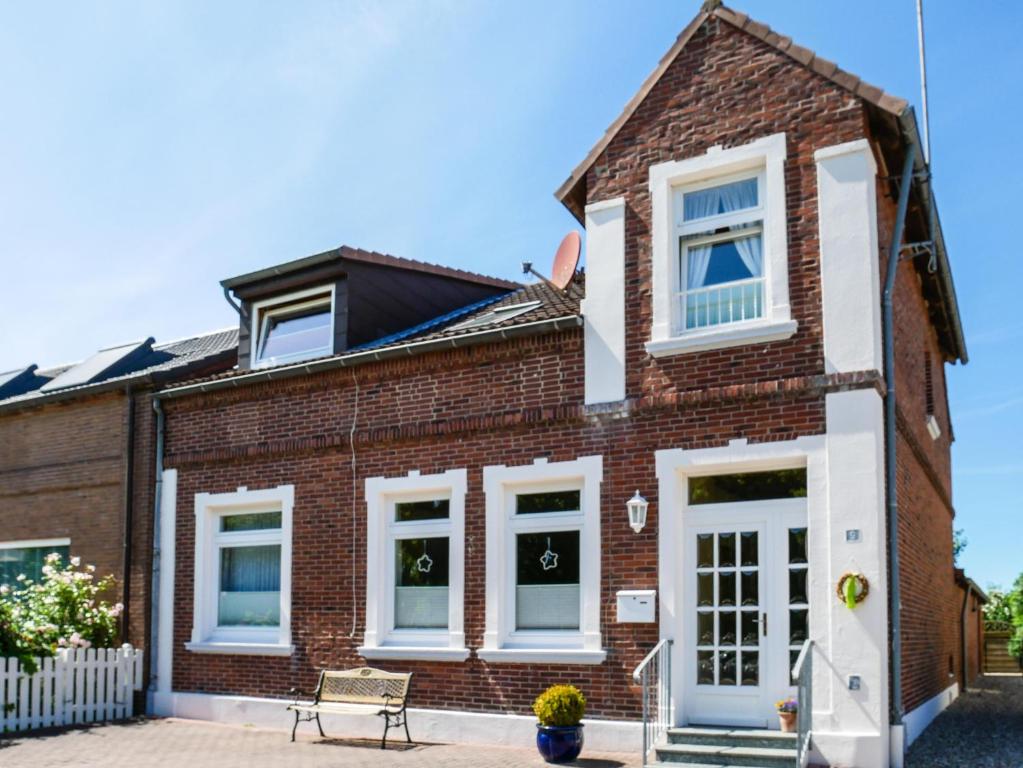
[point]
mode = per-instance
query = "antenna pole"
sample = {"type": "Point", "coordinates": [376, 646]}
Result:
{"type": "Point", "coordinates": [923, 79]}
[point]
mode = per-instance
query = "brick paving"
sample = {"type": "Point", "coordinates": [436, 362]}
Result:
{"type": "Point", "coordinates": [982, 729]}
{"type": "Point", "coordinates": [170, 743]}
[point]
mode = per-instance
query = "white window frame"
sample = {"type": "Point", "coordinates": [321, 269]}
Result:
{"type": "Point", "coordinates": [765, 158]}
{"type": "Point", "coordinates": [263, 311]}
{"type": "Point", "coordinates": [502, 642]}
{"type": "Point", "coordinates": [382, 640]}
{"type": "Point", "coordinates": [207, 637]}
{"type": "Point", "coordinates": [37, 544]}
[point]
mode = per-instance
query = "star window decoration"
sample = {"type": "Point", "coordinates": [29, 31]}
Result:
{"type": "Point", "coordinates": [549, 560]}
{"type": "Point", "coordinates": [424, 563]}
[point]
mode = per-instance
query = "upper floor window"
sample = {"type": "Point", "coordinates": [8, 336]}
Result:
{"type": "Point", "coordinates": [296, 327]}
{"type": "Point", "coordinates": [719, 249]}
{"type": "Point", "coordinates": [721, 252]}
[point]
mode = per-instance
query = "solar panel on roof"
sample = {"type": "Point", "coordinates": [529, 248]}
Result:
{"type": "Point", "coordinates": [18, 381]}
{"type": "Point", "coordinates": [106, 362]}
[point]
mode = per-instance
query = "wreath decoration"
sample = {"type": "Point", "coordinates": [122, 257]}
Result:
{"type": "Point", "coordinates": [860, 590]}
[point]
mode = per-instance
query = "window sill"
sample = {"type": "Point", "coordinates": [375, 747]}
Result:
{"type": "Point", "coordinates": [241, 649]}
{"type": "Point", "coordinates": [540, 656]}
{"type": "Point", "coordinates": [413, 653]}
{"type": "Point", "coordinates": [721, 337]}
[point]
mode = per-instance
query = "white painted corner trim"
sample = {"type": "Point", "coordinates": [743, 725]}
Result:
{"type": "Point", "coordinates": [381, 639]}
{"type": "Point", "coordinates": [767, 154]}
{"type": "Point", "coordinates": [849, 256]}
{"type": "Point", "coordinates": [501, 642]}
{"type": "Point", "coordinates": [603, 309]}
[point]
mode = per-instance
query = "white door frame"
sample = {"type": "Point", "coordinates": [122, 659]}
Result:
{"type": "Point", "coordinates": [674, 466]}
{"type": "Point", "coordinates": [743, 706]}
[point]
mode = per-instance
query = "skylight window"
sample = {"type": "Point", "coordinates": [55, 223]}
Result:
{"type": "Point", "coordinates": [499, 315]}
{"type": "Point", "coordinates": [293, 328]}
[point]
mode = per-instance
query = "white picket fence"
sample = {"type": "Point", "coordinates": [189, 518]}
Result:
{"type": "Point", "coordinates": [79, 685]}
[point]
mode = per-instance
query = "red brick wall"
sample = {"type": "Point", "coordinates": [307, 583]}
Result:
{"type": "Point", "coordinates": [726, 88]}
{"type": "Point", "coordinates": [296, 432]}
{"type": "Point", "coordinates": [62, 475]}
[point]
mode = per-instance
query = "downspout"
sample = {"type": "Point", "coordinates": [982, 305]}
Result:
{"type": "Point", "coordinates": [154, 623]}
{"type": "Point", "coordinates": [965, 633]}
{"type": "Point", "coordinates": [891, 471]}
{"type": "Point", "coordinates": [127, 523]}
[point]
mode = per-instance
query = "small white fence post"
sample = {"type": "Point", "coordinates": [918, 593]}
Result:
{"type": "Point", "coordinates": [78, 685]}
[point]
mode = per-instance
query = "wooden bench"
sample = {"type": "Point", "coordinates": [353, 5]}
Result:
{"type": "Point", "coordinates": [363, 691]}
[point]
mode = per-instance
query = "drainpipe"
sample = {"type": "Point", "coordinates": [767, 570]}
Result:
{"type": "Point", "coordinates": [891, 490]}
{"type": "Point", "coordinates": [154, 623]}
{"type": "Point", "coordinates": [127, 522]}
{"type": "Point", "coordinates": [965, 633]}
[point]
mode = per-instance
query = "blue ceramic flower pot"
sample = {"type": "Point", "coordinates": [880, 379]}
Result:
{"type": "Point", "coordinates": [559, 744]}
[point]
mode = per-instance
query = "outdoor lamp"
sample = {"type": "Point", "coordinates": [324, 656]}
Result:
{"type": "Point", "coordinates": [637, 512]}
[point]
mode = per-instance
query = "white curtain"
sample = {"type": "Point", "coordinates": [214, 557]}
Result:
{"type": "Point", "coordinates": [420, 607]}
{"type": "Point", "coordinates": [547, 606]}
{"type": "Point", "coordinates": [699, 205]}
{"type": "Point", "coordinates": [735, 197]}
{"type": "Point", "coordinates": [250, 584]}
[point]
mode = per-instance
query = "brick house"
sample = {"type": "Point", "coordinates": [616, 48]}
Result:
{"type": "Point", "coordinates": [76, 461]}
{"type": "Point", "coordinates": [445, 492]}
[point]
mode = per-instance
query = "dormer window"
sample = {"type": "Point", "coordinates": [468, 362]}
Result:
{"type": "Point", "coordinates": [296, 327]}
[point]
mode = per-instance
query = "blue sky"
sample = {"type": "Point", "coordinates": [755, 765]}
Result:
{"type": "Point", "coordinates": [149, 150]}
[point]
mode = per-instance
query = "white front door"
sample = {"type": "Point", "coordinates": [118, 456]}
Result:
{"type": "Point", "coordinates": [745, 571]}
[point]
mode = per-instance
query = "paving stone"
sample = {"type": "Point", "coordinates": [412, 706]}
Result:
{"type": "Point", "coordinates": [173, 743]}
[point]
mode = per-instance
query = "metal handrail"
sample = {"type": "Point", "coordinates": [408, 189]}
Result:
{"type": "Point", "coordinates": [654, 677]}
{"type": "Point", "coordinates": [802, 673]}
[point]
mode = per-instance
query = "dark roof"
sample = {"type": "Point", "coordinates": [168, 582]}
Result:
{"type": "Point", "coordinates": [149, 361]}
{"type": "Point", "coordinates": [897, 117]}
{"type": "Point", "coordinates": [347, 253]}
{"type": "Point", "coordinates": [548, 310]}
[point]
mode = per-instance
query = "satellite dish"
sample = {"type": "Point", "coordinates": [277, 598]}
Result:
{"type": "Point", "coordinates": [566, 260]}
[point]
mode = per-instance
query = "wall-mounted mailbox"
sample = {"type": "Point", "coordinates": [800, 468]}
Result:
{"type": "Point", "coordinates": [636, 606]}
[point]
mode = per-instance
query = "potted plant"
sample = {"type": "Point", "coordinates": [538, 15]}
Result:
{"type": "Point", "coordinates": [559, 734]}
{"type": "Point", "coordinates": [787, 709]}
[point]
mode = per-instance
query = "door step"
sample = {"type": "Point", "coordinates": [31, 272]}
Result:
{"type": "Point", "coordinates": [724, 747]}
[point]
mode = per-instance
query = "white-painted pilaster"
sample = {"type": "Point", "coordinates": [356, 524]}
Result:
{"type": "Point", "coordinates": [604, 306]}
{"type": "Point", "coordinates": [850, 273]}
{"type": "Point", "coordinates": [851, 726]}
{"type": "Point", "coordinates": [165, 640]}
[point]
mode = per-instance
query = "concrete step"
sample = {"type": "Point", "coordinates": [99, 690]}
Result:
{"type": "Point", "coordinates": [725, 755]}
{"type": "Point", "coordinates": [732, 737]}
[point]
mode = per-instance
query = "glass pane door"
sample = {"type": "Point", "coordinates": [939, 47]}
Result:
{"type": "Point", "coordinates": [728, 609]}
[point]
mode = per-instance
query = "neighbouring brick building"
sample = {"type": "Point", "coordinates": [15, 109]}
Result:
{"type": "Point", "coordinates": [435, 479]}
{"type": "Point", "coordinates": [77, 461]}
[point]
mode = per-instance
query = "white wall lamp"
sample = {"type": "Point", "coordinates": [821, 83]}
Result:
{"type": "Point", "coordinates": [637, 507]}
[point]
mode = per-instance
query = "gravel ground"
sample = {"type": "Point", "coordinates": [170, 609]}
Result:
{"type": "Point", "coordinates": [982, 729]}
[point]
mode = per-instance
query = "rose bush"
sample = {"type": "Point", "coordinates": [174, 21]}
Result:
{"type": "Point", "coordinates": [63, 609]}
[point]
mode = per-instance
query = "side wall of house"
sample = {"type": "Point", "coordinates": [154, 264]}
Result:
{"type": "Point", "coordinates": [931, 599]}
{"type": "Point", "coordinates": [62, 469]}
